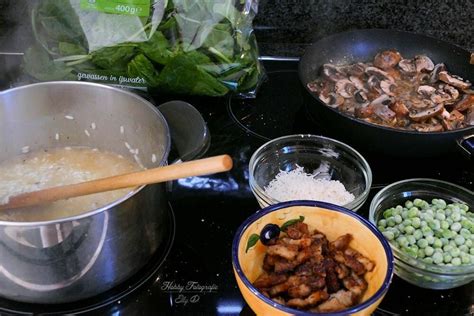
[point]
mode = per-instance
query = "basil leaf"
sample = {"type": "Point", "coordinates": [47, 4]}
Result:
{"type": "Point", "coordinates": [252, 241]}
{"type": "Point", "coordinates": [291, 222]}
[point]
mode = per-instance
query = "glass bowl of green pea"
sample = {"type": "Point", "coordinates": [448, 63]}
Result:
{"type": "Point", "coordinates": [430, 226]}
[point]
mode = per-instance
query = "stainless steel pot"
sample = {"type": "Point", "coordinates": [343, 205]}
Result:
{"type": "Point", "coordinates": [73, 258]}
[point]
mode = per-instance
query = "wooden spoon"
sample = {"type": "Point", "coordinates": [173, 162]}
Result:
{"type": "Point", "coordinates": [161, 174]}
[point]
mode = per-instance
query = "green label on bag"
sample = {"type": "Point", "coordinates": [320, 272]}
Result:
{"type": "Point", "coordinates": [127, 7]}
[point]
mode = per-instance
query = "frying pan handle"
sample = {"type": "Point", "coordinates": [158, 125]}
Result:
{"type": "Point", "coordinates": [466, 144]}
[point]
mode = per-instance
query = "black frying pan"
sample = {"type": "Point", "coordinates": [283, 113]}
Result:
{"type": "Point", "coordinates": [362, 46]}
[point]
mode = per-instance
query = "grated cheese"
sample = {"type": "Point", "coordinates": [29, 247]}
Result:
{"type": "Point", "coordinates": [299, 185]}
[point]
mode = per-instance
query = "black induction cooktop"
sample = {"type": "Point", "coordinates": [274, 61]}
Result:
{"type": "Point", "coordinates": [193, 274]}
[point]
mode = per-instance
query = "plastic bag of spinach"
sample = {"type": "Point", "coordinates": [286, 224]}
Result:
{"type": "Point", "coordinates": [174, 46]}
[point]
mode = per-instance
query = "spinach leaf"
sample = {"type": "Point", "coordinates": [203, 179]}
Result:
{"type": "Point", "coordinates": [140, 66]}
{"type": "Point", "coordinates": [220, 42]}
{"type": "Point", "coordinates": [37, 63]}
{"type": "Point", "coordinates": [114, 57]}
{"type": "Point", "coordinates": [158, 49]}
{"type": "Point", "coordinates": [183, 74]}
{"type": "Point", "coordinates": [59, 22]}
{"type": "Point", "coordinates": [67, 49]}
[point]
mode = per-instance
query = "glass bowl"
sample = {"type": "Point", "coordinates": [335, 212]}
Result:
{"type": "Point", "coordinates": [412, 270]}
{"type": "Point", "coordinates": [333, 160]}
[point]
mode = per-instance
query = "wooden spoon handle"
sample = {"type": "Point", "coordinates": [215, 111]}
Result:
{"type": "Point", "coordinates": [161, 174]}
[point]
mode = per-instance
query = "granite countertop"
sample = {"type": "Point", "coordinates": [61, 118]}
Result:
{"type": "Point", "coordinates": [287, 27]}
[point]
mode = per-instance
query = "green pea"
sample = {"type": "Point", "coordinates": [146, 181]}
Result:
{"type": "Point", "coordinates": [440, 216]}
{"type": "Point", "coordinates": [448, 248]}
{"type": "Point", "coordinates": [422, 243]}
{"type": "Point", "coordinates": [398, 219]}
{"type": "Point", "coordinates": [444, 225]}
{"type": "Point", "coordinates": [409, 229]}
{"type": "Point", "coordinates": [456, 227]}
{"type": "Point", "coordinates": [416, 222]}
{"type": "Point", "coordinates": [465, 259]}
{"type": "Point", "coordinates": [466, 223]}
{"type": "Point", "coordinates": [445, 241]}
{"type": "Point", "coordinates": [464, 207]}
{"type": "Point", "coordinates": [382, 222]}
{"type": "Point", "coordinates": [437, 243]}
{"type": "Point", "coordinates": [389, 235]}
{"type": "Point", "coordinates": [456, 217]}
{"type": "Point", "coordinates": [429, 251]}
{"type": "Point", "coordinates": [456, 261]}
{"type": "Point", "coordinates": [381, 228]}
{"type": "Point", "coordinates": [465, 232]}
{"type": "Point", "coordinates": [391, 222]}
{"type": "Point", "coordinates": [408, 204]}
{"type": "Point", "coordinates": [417, 234]}
{"type": "Point", "coordinates": [430, 239]}
{"type": "Point", "coordinates": [459, 240]}
{"type": "Point", "coordinates": [429, 260]}
{"type": "Point", "coordinates": [468, 243]}
{"type": "Point", "coordinates": [388, 213]}
{"type": "Point", "coordinates": [418, 202]}
{"type": "Point", "coordinates": [447, 258]}
{"type": "Point", "coordinates": [455, 252]}
{"type": "Point", "coordinates": [421, 253]}
{"type": "Point", "coordinates": [447, 233]}
{"type": "Point", "coordinates": [437, 257]}
{"type": "Point", "coordinates": [463, 248]}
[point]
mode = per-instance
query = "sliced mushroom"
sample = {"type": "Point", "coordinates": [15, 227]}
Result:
{"type": "Point", "coordinates": [357, 82]}
{"type": "Point", "coordinates": [399, 108]}
{"type": "Point", "coordinates": [332, 100]}
{"type": "Point", "coordinates": [434, 76]}
{"type": "Point", "coordinates": [454, 120]}
{"type": "Point", "coordinates": [428, 113]}
{"type": "Point", "coordinates": [440, 96]}
{"type": "Point", "coordinates": [387, 59]}
{"type": "Point", "coordinates": [356, 70]}
{"type": "Point", "coordinates": [465, 103]}
{"type": "Point", "coordinates": [364, 111]}
{"type": "Point", "coordinates": [420, 104]}
{"type": "Point", "coordinates": [373, 83]}
{"type": "Point", "coordinates": [407, 65]}
{"type": "Point", "coordinates": [453, 92]}
{"type": "Point", "coordinates": [427, 127]}
{"type": "Point", "coordinates": [332, 72]}
{"type": "Point", "coordinates": [445, 77]}
{"type": "Point", "coordinates": [380, 74]}
{"type": "Point", "coordinates": [345, 88]}
{"type": "Point", "coordinates": [360, 97]}
{"type": "Point", "coordinates": [426, 91]}
{"type": "Point", "coordinates": [381, 108]}
{"type": "Point", "coordinates": [423, 63]}
{"type": "Point", "coordinates": [388, 87]}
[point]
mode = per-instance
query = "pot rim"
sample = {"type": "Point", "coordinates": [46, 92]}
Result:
{"type": "Point", "coordinates": [116, 202]}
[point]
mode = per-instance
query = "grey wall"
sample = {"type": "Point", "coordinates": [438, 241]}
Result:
{"type": "Point", "coordinates": [286, 27]}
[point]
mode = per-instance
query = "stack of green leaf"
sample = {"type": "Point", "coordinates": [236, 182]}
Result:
{"type": "Point", "coordinates": [197, 48]}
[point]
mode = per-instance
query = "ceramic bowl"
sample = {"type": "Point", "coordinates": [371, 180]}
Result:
{"type": "Point", "coordinates": [331, 220]}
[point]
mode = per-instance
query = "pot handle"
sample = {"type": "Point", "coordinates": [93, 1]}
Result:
{"type": "Point", "coordinates": [466, 144]}
{"type": "Point", "coordinates": [189, 132]}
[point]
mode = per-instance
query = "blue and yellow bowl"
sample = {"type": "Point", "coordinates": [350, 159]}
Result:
{"type": "Point", "coordinates": [333, 221]}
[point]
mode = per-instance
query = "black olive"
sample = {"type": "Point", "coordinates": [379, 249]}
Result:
{"type": "Point", "coordinates": [268, 233]}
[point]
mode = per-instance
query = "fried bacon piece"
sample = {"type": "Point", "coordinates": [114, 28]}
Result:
{"type": "Point", "coordinates": [355, 284]}
{"type": "Point", "coordinates": [266, 280]}
{"type": "Point", "coordinates": [311, 300]}
{"type": "Point", "coordinates": [337, 301]}
{"type": "Point", "coordinates": [288, 252]}
{"type": "Point", "coordinates": [297, 230]}
{"type": "Point", "coordinates": [340, 243]}
{"type": "Point", "coordinates": [305, 271]}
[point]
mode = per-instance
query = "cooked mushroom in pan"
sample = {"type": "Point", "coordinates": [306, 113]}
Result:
{"type": "Point", "coordinates": [411, 94]}
{"type": "Point", "coordinates": [303, 270]}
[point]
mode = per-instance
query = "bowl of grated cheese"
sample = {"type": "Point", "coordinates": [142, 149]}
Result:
{"type": "Point", "coordinates": [309, 167]}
